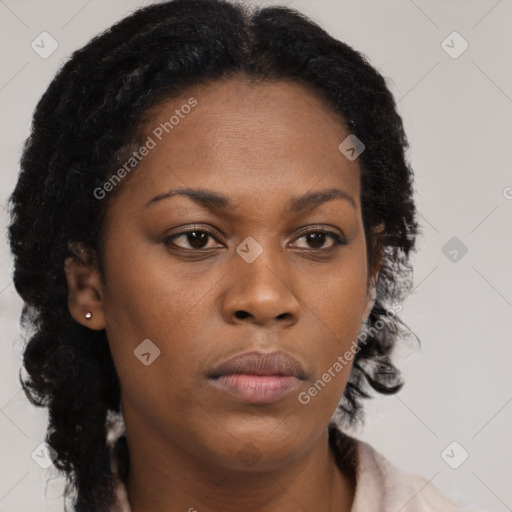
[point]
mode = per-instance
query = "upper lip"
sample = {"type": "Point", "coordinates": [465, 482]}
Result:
{"type": "Point", "coordinates": [261, 363]}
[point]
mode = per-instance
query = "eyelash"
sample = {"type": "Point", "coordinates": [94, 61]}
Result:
{"type": "Point", "coordinates": [338, 239]}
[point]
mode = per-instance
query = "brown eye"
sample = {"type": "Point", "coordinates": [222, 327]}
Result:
{"type": "Point", "coordinates": [196, 239]}
{"type": "Point", "coordinates": [317, 239]}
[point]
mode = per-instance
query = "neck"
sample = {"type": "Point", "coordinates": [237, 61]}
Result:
{"type": "Point", "coordinates": [159, 478]}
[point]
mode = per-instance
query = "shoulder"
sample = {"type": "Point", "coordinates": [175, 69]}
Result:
{"type": "Point", "coordinates": [382, 486]}
{"type": "Point", "coordinates": [122, 504]}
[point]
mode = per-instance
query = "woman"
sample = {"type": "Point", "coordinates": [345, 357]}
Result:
{"type": "Point", "coordinates": [211, 230]}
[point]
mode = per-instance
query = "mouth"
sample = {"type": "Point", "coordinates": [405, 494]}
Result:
{"type": "Point", "coordinates": [258, 377]}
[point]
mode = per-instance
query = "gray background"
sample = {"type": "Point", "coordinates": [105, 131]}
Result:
{"type": "Point", "coordinates": [457, 114]}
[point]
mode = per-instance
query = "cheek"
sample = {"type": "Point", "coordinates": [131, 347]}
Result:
{"type": "Point", "coordinates": [335, 304]}
{"type": "Point", "coordinates": [161, 311]}
{"type": "Point", "coordinates": [145, 297]}
{"type": "Point", "coordinates": [339, 296]}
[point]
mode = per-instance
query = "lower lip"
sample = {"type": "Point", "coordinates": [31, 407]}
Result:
{"type": "Point", "coordinates": [257, 389]}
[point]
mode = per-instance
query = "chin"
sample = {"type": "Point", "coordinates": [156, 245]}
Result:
{"type": "Point", "coordinates": [260, 444]}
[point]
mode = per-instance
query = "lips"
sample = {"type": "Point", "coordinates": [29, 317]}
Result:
{"type": "Point", "coordinates": [261, 363]}
{"type": "Point", "coordinates": [258, 377]}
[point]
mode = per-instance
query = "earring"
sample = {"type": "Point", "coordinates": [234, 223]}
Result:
{"type": "Point", "coordinates": [88, 315]}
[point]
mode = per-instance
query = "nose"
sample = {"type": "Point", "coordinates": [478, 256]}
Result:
{"type": "Point", "coordinates": [261, 293]}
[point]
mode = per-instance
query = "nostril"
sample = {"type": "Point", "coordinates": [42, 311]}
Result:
{"type": "Point", "coordinates": [241, 314]}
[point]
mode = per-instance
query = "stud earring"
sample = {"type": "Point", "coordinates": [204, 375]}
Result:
{"type": "Point", "coordinates": [88, 315]}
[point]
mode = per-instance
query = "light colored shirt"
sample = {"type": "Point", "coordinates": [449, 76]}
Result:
{"type": "Point", "coordinates": [380, 486]}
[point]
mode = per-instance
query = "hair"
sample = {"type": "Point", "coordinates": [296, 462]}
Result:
{"type": "Point", "coordinates": [93, 110]}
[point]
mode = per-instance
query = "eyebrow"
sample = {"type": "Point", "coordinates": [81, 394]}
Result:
{"type": "Point", "coordinates": [215, 201]}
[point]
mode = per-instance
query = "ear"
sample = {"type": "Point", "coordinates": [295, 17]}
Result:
{"type": "Point", "coordinates": [378, 235]}
{"type": "Point", "coordinates": [84, 288]}
{"type": "Point", "coordinates": [370, 301]}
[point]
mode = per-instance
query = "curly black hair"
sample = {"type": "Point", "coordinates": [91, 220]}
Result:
{"type": "Point", "coordinates": [92, 111]}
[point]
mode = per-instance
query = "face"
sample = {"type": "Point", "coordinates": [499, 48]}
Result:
{"type": "Point", "coordinates": [222, 242]}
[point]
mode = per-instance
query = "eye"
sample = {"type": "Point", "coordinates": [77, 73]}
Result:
{"type": "Point", "coordinates": [199, 239]}
{"type": "Point", "coordinates": [318, 237]}
{"type": "Point", "coordinates": [195, 239]}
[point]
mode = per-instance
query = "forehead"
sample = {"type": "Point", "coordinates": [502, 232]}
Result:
{"type": "Point", "coordinates": [247, 139]}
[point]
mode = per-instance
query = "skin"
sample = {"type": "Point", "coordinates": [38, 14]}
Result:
{"type": "Point", "coordinates": [260, 145]}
